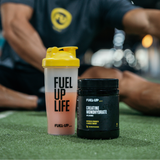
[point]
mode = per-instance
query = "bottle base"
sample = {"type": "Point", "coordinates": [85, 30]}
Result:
{"type": "Point", "coordinates": [61, 134]}
{"type": "Point", "coordinates": [98, 134]}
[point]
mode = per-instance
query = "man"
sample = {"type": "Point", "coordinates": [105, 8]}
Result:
{"type": "Point", "coordinates": [31, 26]}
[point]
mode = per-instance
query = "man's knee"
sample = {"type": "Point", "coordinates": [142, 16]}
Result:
{"type": "Point", "coordinates": [132, 76]}
{"type": "Point", "coordinates": [102, 72]}
{"type": "Point", "coordinates": [127, 74]}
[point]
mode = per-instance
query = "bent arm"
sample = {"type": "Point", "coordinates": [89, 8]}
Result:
{"type": "Point", "coordinates": [20, 34]}
{"type": "Point", "coordinates": [142, 21]}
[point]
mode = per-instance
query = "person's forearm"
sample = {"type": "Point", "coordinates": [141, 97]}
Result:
{"type": "Point", "coordinates": [142, 21]}
{"type": "Point", "coordinates": [26, 42]}
{"type": "Point", "coordinates": [154, 22]}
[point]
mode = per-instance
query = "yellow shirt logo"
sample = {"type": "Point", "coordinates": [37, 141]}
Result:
{"type": "Point", "coordinates": [60, 18]}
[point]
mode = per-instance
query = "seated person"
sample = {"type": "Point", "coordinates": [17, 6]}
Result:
{"type": "Point", "coordinates": [30, 27]}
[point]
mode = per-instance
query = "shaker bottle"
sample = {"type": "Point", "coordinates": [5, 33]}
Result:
{"type": "Point", "coordinates": [61, 73]}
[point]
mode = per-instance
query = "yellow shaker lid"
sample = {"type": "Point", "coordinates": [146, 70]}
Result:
{"type": "Point", "coordinates": [64, 56]}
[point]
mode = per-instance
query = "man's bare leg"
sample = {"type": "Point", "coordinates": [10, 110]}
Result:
{"type": "Point", "coordinates": [17, 100]}
{"type": "Point", "coordinates": [135, 91]}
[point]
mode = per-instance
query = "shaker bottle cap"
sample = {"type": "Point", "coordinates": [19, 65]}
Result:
{"type": "Point", "coordinates": [61, 57]}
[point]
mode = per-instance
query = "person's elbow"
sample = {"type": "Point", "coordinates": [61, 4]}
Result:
{"type": "Point", "coordinates": [9, 30]}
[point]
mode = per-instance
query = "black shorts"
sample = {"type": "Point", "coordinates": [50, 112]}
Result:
{"type": "Point", "coordinates": [22, 81]}
{"type": "Point", "coordinates": [29, 82]}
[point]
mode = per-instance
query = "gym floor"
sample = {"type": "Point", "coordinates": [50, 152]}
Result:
{"type": "Point", "coordinates": [23, 135]}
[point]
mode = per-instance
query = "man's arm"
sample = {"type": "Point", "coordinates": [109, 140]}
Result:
{"type": "Point", "coordinates": [20, 34]}
{"type": "Point", "coordinates": [142, 21]}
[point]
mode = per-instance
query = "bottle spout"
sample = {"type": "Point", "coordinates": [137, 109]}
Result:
{"type": "Point", "coordinates": [70, 49]}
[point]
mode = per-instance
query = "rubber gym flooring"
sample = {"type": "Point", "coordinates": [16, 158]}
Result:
{"type": "Point", "coordinates": [23, 135]}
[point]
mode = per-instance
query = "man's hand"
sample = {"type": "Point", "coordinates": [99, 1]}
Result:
{"type": "Point", "coordinates": [142, 21]}
{"type": "Point", "coordinates": [20, 34]}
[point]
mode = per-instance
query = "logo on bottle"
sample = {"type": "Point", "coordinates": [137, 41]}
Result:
{"type": "Point", "coordinates": [60, 85]}
{"type": "Point", "coordinates": [62, 125]}
{"type": "Point", "coordinates": [60, 18]}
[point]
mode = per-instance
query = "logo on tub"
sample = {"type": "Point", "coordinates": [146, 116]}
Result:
{"type": "Point", "coordinates": [61, 83]}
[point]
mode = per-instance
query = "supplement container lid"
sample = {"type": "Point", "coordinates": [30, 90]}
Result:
{"type": "Point", "coordinates": [61, 57]}
{"type": "Point", "coordinates": [98, 83]}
